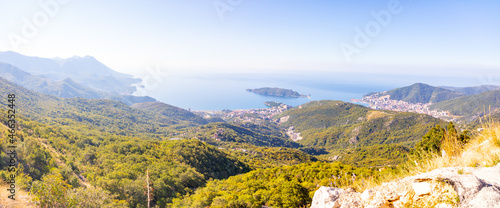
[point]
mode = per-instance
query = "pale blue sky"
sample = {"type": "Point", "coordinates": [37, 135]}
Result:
{"type": "Point", "coordinates": [443, 36]}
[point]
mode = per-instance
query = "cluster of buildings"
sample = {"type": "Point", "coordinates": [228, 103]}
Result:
{"type": "Point", "coordinates": [246, 115]}
{"type": "Point", "coordinates": [378, 102]}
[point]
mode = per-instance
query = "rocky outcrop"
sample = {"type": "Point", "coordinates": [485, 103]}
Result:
{"type": "Point", "coordinates": [445, 187]}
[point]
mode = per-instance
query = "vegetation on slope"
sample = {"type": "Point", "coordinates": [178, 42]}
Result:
{"type": "Point", "coordinates": [266, 157]}
{"type": "Point", "coordinates": [112, 163]}
{"type": "Point", "coordinates": [286, 186]}
{"type": "Point", "coordinates": [422, 93]}
{"type": "Point", "coordinates": [336, 125]}
{"type": "Point", "coordinates": [170, 111]}
{"type": "Point", "coordinates": [258, 135]}
{"type": "Point", "coordinates": [104, 115]}
{"type": "Point", "coordinates": [471, 107]}
{"type": "Point", "coordinates": [376, 155]}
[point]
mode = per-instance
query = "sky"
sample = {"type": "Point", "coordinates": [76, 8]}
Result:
{"type": "Point", "coordinates": [409, 37]}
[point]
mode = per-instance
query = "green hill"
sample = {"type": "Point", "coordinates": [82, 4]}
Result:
{"type": "Point", "coordinates": [67, 157]}
{"type": "Point", "coordinates": [170, 111]}
{"type": "Point", "coordinates": [470, 107]}
{"type": "Point", "coordinates": [422, 93]}
{"type": "Point", "coordinates": [336, 125]}
{"type": "Point", "coordinates": [105, 115]}
{"type": "Point", "coordinates": [258, 135]}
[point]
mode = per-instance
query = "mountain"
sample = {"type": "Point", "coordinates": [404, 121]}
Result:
{"type": "Point", "coordinates": [277, 92]}
{"type": "Point", "coordinates": [421, 93]}
{"type": "Point", "coordinates": [336, 125]}
{"type": "Point", "coordinates": [85, 70]}
{"type": "Point", "coordinates": [257, 135]}
{"type": "Point", "coordinates": [66, 88]}
{"type": "Point", "coordinates": [170, 111]}
{"type": "Point", "coordinates": [103, 114]}
{"type": "Point", "coordinates": [84, 159]}
{"type": "Point", "coordinates": [470, 107]}
{"type": "Point", "coordinates": [472, 90]}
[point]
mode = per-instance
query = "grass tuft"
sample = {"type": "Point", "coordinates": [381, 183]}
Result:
{"type": "Point", "coordinates": [481, 151]}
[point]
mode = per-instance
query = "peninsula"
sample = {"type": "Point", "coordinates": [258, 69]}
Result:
{"type": "Point", "coordinates": [277, 92]}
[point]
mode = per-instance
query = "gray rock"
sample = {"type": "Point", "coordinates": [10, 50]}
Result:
{"type": "Point", "coordinates": [476, 187]}
{"type": "Point", "coordinates": [326, 197]}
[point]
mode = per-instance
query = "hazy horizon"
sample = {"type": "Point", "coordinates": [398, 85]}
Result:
{"type": "Point", "coordinates": [404, 37]}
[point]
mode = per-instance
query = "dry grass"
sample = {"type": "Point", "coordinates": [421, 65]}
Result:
{"type": "Point", "coordinates": [441, 193]}
{"type": "Point", "coordinates": [23, 200]}
{"type": "Point", "coordinates": [375, 114]}
{"type": "Point", "coordinates": [482, 151]}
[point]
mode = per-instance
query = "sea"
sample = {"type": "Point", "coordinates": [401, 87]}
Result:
{"type": "Point", "coordinates": [220, 91]}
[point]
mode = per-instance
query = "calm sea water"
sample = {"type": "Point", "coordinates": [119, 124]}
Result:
{"type": "Point", "coordinates": [228, 91]}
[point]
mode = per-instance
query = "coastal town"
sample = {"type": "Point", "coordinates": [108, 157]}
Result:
{"type": "Point", "coordinates": [380, 101]}
{"type": "Point", "coordinates": [247, 115]}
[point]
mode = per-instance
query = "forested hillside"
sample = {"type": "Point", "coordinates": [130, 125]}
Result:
{"type": "Point", "coordinates": [102, 114]}
{"type": "Point", "coordinates": [113, 162]}
{"type": "Point", "coordinates": [258, 135]}
{"type": "Point", "coordinates": [287, 186]}
{"type": "Point", "coordinates": [422, 93]}
{"type": "Point", "coordinates": [170, 111]}
{"type": "Point", "coordinates": [471, 107]}
{"type": "Point", "coordinates": [106, 150]}
{"type": "Point", "coordinates": [337, 126]}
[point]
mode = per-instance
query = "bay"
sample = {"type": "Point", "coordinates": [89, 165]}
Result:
{"type": "Point", "coordinates": [228, 91]}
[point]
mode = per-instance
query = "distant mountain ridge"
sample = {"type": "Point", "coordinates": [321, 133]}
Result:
{"type": "Point", "coordinates": [87, 71]}
{"type": "Point", "coordinates": [422, 93]}
{"type": "Point", "coordinates": [66, 88]}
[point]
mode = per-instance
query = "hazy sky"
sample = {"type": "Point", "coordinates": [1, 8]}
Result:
{"type": "Point", "coordinates": [377, 36]}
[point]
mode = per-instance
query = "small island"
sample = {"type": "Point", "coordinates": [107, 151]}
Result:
{"type": "Point", "coordinates": [274, 104]}
{"type": "Point", "coordinates": [277, 92]}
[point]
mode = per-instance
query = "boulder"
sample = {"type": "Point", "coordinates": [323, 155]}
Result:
{"type": "Point", "coordinates": [475, 187]}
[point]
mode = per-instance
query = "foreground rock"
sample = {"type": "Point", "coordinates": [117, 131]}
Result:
{"type": "Point", "coordinates": [445, 187]}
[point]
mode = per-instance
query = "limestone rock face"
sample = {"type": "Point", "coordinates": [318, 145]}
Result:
{"type": "Point", "coordinates": [474, 187]}
{"type": "Point", "coordinates": [326, 197]}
